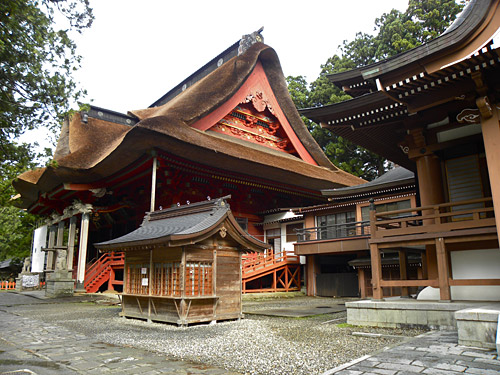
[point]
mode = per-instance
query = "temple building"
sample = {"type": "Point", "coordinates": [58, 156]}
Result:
{"type": "Point", "coordinates": [434, 110]}
{"type": "Point", "coordinates": [335, 237]}
{"type": "Point", "coordinates": [231, 128]}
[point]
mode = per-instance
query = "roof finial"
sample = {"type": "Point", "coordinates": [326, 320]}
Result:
{"type": "Point", "coordinates": [249, 39]}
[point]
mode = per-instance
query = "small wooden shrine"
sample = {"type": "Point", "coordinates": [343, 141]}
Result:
{"type": "Point", "coordinates": [183, 264]}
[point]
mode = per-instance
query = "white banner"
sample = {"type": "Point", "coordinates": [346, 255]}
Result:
{"type": "Point", "coordinates": [37, 255]}
{"type": "Point", "coordinates": [30, 281]}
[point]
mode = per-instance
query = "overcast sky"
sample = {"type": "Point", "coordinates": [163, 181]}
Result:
{"type": "Point", "coordinates": [136, 51]}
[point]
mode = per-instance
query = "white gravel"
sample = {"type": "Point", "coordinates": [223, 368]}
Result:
{"type": "Point", "coordinates": [254, 345]}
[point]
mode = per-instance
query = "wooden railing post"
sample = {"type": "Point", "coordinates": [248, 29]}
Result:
{"type": "Point", "coordinates": [376, 272]}
{"type": "Point", "coordinates": [443, 270]}
{"type": "Point", "coordinates": [403, 271]}
{"type": "Point", "coordinates": [373, 219]}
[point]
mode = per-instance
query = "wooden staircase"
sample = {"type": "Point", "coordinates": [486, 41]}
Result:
{"type": "Point", "coordinates": [270, 272]}
{"type": "Point", "coordinates": [104, 270]}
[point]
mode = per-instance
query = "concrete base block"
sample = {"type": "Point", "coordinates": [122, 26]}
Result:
{"type": "Point", "coordinates": [498, 335]}
{"type": "Point", "coordinates": [478, 326]}
{"type": "Point", "coordinates": [19, 284]}
{"type": "Point", "coordinates": [404, 313]}
{"type": "Point", "coordinates": [59, 285]}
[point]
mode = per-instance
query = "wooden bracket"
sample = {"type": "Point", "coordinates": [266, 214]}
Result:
{"type": "Point", "coordinates": [484, 106]}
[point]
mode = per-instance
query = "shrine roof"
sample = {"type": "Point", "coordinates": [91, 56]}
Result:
{"type": "Point", "coordinates": [96, 144]}
{"type": "Point", "coordinates": [193, 222]}
{"type": "Point", "coordinates": [395, 177]}
{"type": "Point", "coordinates": [466, 25]}
{"type": "Point", "coordinates": [395, 180]}
{"type": "Point", "coordinates": [428, 84]}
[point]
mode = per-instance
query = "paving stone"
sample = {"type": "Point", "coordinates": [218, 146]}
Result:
{"type": "Point", "coordinates": [401, 367]}
{"type": "Point", "coordinates": [450, 367]}
{"type": "Point", "coordinates": [478, 354]}
{"type": "Point", "coordinates": [489, 361]}
{"type": "Point", "coordinates": [371, 370]}
{"type": "Point", "coordinates": [479, 365]}
{"type": "Point", "coordinates": [434, 371]}
{"type": "Point", "coordinates": [478, 371]}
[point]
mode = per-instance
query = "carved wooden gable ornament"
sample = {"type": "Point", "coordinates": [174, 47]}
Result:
{"type": "Point", "coordinates": [254, 115]}
{"type": "Point", "coordinates": [254, 120]}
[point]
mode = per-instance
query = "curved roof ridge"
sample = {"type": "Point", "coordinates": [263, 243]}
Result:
{"type": "Point", "coordinates": [468, 23]}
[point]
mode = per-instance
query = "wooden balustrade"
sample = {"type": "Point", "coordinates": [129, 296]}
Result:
{"type": "Point", "coordinates": [254, 261]}
{"type": "Point", "coordinates": [445, 217]}
{"type": "Point", "coordinates": [335, 231]}
{"type": "Point", "coordinates": [435, 225]}
{"type": "Point", "coordinates": [102, 265]}
{"type": "Point", "coordinates": [283, 268]}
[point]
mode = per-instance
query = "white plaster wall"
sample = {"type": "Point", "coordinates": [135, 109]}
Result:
{"type": "Point", "coordinates": [37, 255]}
{"type": "Point", "coordinates": [471, 264]}
{"type": "Point", "coordinates": [285, 246]}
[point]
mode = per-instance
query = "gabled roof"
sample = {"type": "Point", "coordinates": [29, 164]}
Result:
{"type": "Point", "coordinates": [185, 224]}
{"type": "Point", "coordinates": [396, 177]}
{"type": "Point", "coordinates": [469, 25]}
{"type": "Point", "coordinates": [426, 85]}
{"type": "Point", "coordinates": [394, 181]}
{"type": "Point", "coordinates": [93, 148]}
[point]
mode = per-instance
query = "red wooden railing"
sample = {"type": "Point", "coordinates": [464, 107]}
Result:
{"type": "Point", "coordinates": [10, 285]}
{"type": "Point", "coordinates": [100, 271]}
{"type": "Point", "coordinates": [284, 268]}
{"type": "Point", "coordinates": [7, 285]}
{"type": "Point", "coordinates": [255, 262]}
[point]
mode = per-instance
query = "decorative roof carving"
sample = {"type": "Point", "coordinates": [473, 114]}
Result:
{"type": "Point", "coordinates": [259, 101]}
{"type": "Point", "coordinates": [249, 39]}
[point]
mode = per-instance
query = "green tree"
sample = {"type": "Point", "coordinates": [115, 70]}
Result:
{"type": "Point", "coordinates": [423, 20]}
{"type": "Point", "coordinates": [36, 63]}
{"type": "Point", "coordinates": [37, 59]}
{"type": "Point", "coordinates": [396, 32]}
{"type": "Point", "coordinates": [16, 225]}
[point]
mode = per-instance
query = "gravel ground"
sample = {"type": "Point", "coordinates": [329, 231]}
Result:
{"type": "Point", "coordinates": [255, 345]}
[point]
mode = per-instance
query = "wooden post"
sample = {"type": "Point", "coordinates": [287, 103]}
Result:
{"type": "Point", "coordinates": [286, 277]}
{"type": "Point", "coordinates": [378, 293]}
{"type": "Point", "coordinates": [373, 219]}
{"type": "Point", "coordinates": [183, 287]}
{"type": "Point", "coordinates": [71, 242]}
{"type": "Point", "coordinates": [153, 184]}
{"type": "Point", "coordinates": [362, 282]}
{"type": "Point", "coordinates": [311, 267]}
{"type": "Point", "coordinates": [50, 254]}
{"type": "Point", "coordinates": [111, 279]}
{"type": "Point", "coordinates": [274, 281]}
{"type": "Point", "coordinates": [443, 270]}
{"type": "Point", "coordinates": [82, 253]}
{"type": "Point", "coordinates": [241, 291]}
{"type": "Point", "coordinates": [491, 137]}
{"type": "Point", "coordinates": [403, 271]}
{"type": "Point", "coordinates": [150, 284]}
{"type": "Point", "coordinates": [376, 263]}
{"type": "Point", "coordinates": [60, 234]}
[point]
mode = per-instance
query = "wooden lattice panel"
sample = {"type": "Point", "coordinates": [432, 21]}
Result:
{"type": "Point", "coordinates": [135, 275]}
{"type": "Point", "coordinates": [166, 279]}
{"type": "Point", "coordinates": [199, 279]}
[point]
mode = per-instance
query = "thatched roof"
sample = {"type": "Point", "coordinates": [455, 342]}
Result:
{"type": "Point", "coordinates": [93, 150]}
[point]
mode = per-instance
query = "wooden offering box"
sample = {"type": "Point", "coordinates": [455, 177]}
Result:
{"type": "Point", "coordinates": [183, 265]}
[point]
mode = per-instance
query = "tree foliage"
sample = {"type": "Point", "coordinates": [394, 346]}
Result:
{"type": "Point", "coordinates": [396, 32]}
{"type": "Point", "coordinates": [16, 226]}
{"type": "Point", "coordinates": [37, 60]}
{"type": "Point", "coordinates": [36, 63]}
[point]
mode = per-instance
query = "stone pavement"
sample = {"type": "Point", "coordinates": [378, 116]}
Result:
{"type": "Point", "coordinates": [29, 346]}
{"type": "Point", "coordinates": [32, 346]}
{"type": "Point", "coordinates": [434, 353]}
